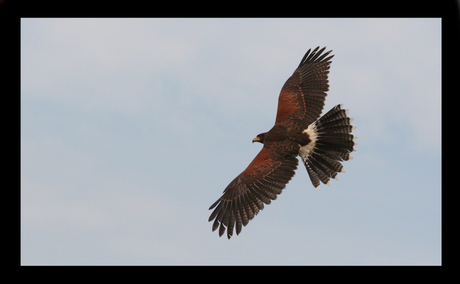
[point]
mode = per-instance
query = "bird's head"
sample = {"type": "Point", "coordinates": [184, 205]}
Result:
{"type": "Point", "coordinates": [259, 138]}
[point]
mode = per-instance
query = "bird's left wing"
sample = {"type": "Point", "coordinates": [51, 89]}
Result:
{"type": "Point", "coordinates": [303, 95]}
{"type": "Point", "coordinates": [259, 183]}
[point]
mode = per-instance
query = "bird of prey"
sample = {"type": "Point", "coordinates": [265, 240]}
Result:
{"type": "Point", "coordinates": [321, 142]}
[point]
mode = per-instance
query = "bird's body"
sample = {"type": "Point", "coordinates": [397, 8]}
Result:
{"type": "Point", "coordinates": [321, 142]}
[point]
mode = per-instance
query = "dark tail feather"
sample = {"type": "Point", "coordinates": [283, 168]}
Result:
{"type": "Point", "coordinates": [332, 144]}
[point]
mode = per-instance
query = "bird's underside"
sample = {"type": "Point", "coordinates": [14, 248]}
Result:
{"type": "Point", "coordinates": [322, 143]}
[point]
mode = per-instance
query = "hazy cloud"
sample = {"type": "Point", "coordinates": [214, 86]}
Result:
{"type": "Point", "coordinates": [132, 128]}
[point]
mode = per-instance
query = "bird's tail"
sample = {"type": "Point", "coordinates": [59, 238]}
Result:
{"type": "Point", "coordinates": [331, 144]}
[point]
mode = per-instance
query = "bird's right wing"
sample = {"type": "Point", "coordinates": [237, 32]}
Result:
{"type": "Point", "coordinates": [259, 183]}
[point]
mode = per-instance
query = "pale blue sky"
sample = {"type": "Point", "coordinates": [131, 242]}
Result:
{"type": "Point", "coordinates": [132, 128]}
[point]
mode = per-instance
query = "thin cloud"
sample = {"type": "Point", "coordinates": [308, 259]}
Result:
{"type": "Point", "coordinates": [135, 126]}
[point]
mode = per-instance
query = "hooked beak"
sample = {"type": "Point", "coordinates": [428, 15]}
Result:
{"type": "Point", "coordinates": [257, 139]}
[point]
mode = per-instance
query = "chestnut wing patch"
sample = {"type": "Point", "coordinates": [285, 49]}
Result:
{"type": "Point", "coordinates": [259, 184]}
{"type": "Point", "coordinates": [303, 94]}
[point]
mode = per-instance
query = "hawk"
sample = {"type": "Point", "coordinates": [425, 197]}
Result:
{"type": "Point", "coordinates": [321, 142]}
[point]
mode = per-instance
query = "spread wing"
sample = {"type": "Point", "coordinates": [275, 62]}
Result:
{"type": "Point", "coordinates": [244, 197]}
{"type": "Point", "coordinates": [303, 94]}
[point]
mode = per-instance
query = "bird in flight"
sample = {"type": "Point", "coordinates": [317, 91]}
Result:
{"type": "Point", "coordinates": [321, 142]}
